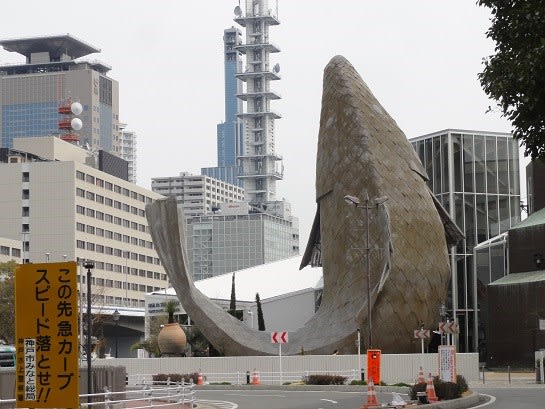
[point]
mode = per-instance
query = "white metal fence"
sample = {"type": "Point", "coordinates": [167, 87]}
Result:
{"type": "Point", "coordinates": [168, 396]}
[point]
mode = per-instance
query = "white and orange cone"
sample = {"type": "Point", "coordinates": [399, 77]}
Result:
{"type": "Point", "coordinates": [372, 400]}
{"type": "Point", "coordinates": [420, 378]}
{"type": "Point", "coordinates": [255, 378]}
{"type": "Point", "coordinates": [430, 390]}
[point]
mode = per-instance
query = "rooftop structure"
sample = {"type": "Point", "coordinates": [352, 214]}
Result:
{"type": "Point", "coordinates": [36, 92]}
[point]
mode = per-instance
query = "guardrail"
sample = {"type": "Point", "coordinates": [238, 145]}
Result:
{"type": "Point", "coordinates": [243, 378]}
{"type": "Point", "coordinates": [179, 395]}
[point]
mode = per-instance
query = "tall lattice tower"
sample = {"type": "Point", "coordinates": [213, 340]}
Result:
{"type": "Point", "coordinates": [260, 165]}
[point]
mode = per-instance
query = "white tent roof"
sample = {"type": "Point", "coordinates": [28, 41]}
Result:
{"type": "Point", "coordinates": [269, 280]}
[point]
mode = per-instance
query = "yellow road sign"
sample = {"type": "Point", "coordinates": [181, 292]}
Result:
{"type": "Point", "coordinates": [46, 325]}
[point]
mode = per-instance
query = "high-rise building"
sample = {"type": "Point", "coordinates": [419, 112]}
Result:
{"type": "Point", "coordinates": [127, 150]}
{"type": "Point", "coordinates": [475, 176]}
{"type": "Point", "coordinates": [197, 195]}
{"type": "Point", "coordinates": [259, 161]}
{"type": "Point", "coordinates": [239, 237]}
{"type": "Point", "coordinates": [230, 132]}
{"type": "Point", "coordinates": [53, 74]}
{"type": "Point", "coordinates": [62, 209]}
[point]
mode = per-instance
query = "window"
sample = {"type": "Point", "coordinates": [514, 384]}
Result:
{"type": "Point", "coordinates": [134, 241]}
{"type": "Point", "coordinates": [26, 177]}
{"type": "Point", "coordinates": [99, 248]}
{"type": "Point", "coordinates": [126, 223]}
{"type": "Point", "coordinates": [99, 231]}
{"type": "Point", "coordinates": [108, 202]}
{"type": "Point", "coordinates": [26, 194]}
{"type": "Point", "coordinates": [90, 229]}
{"type": "Point", "coordinates": [90, 212]}
{"type": "Point", "coordinates": [80, 209]}
{"type": "Point", "coordinates": [90, 179]}
{"type": "Point", "coordinates": [99, 182]}
{"type": "Point", "coordinates": [4, 250]}
{"type": "Point", "coordinates": [117, 189]}
{"type": "Point", "coordinates": [134, 226]}
{"type": "Point", "coordinates": [108, 217]}
{"type": "Point", "coordinates": [26, 211]}
{"type": "Point", "coordinates": [90, 246]}
{"type": "Point", "coordinates": [108, 234]}
{"type": "Point", "coordinates": [90, 195]}
{"type": "Point", "coordinates": [99, 215]}
{"type": "Point", "coordinates": [125, 192]}
{"type": "Point", "coordinates": [117, 220]}
{"type": "Point", "coordinates": [117, 236]}
{"type": "Point", "coordinates": [99, 199]}
{"type": "Point", "coordinates": [80, 244]}
{"type": "Point", "coordinates": [108, 186]}
{"type": "Point", "coordinates": [16, 252]}
{"type": "Point", "coordinates": [117, 204]}
{"type": "Point", "coordinates": [80, 175]}
{"type": "Point", "coordinates": [80, 192]}
{"type": "Point", "coordinates": [126, 208]}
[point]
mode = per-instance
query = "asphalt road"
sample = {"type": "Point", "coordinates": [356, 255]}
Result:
{"type": "Point", "coordinates": [279, 399]}
{"type": "Point", "coordinates": [514, 398]}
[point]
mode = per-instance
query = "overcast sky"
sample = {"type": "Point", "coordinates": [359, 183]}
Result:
{"type": "Point", "coordinates": [420, 58]}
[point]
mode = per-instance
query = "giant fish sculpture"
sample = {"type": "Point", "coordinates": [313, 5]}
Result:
{"type": "Point", "coordinates": [390, 242]}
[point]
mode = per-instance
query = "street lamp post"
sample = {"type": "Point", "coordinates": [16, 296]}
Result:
{"type": "Point", "coordinates": [115, 316]}
{"type": "Point", "coordinates": [89, 265]}
{"type": "Point", "coordinates": [355, 201]}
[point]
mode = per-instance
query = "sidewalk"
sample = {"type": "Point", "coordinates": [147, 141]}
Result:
{"type": "Point", "coordinates": [493, 379]}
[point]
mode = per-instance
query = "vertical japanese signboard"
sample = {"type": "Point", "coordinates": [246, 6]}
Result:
{"type": "Point", "coordinates": [373, 365]}
{"type": "Point", "coordinates": [447, 363]}
{"type": "Point", "coordinates": [46, 323]}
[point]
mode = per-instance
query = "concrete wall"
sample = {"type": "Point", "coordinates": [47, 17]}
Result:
{"type": "Point", "coordinates": [395, 368]}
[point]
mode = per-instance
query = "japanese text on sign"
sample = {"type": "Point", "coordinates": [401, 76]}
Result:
{"type": "Point", "coordinates": [47, 335]}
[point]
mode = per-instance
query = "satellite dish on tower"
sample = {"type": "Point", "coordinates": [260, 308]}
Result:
{"type": "Point", "coordinates": [76, 108]}
{"type": "Point", "coordinates": [276, 68]}
{"type": "Point", "coordinates": [238, 11]}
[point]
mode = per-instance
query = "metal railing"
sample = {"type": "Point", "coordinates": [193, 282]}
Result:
{"type": "Point", "coordinates": [168, 395]}
{"type": "Point", "coordinates": [243, 378]}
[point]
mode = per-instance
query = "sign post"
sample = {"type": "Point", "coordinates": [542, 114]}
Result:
{"type": "Point", "coordinates": [447, 363]}
{"type": "Point", "coordinates": [279, 337]}
{"type": "Point", "coordinates": [46, 324]}
{"type": "Point", "coordinates": [422, 334]}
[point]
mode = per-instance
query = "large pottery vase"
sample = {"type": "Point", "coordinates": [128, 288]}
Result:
{"type": "Point", "coordinates": [172, 340]}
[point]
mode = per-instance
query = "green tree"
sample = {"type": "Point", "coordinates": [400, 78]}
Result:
{"type": "Point", "coordinates": [260, 319]}
{"type": "Point", "coordinates": [7, 301]}
{"type": "Point", "coordinates": [515, 75]}
{"type": "Point", "coordinates": [233, 303]}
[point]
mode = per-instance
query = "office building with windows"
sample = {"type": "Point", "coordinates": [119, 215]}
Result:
{"type": "Point", "coordinates": [53, 74]}
{"type": "Point", "coordinates": [10, 250]}
{"type": "Point", "coordinates": [476, 177]}
{"type": "Point", "coordinates": [240, 237]}
{"type": "Point", "coordinates": [230, 133]}
{"type": "Point", "coordinates": [197, 195]}
{"type": "Point", "coordinates": [62, 209]}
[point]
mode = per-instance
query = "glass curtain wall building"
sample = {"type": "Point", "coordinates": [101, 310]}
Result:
{"type": "Point", "coordinates": [476, 177]}
{"type": "Point", "coordinates": [230, 132]}
{"type": "Point", "coordinates": [220, 244]}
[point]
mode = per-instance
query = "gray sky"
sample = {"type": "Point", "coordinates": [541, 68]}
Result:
{"type": "Point", "coordinates": [420, 58]}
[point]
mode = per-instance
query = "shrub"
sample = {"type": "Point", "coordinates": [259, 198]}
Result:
{"type": "Point", "coordinates": [325, 380]}
{"type": "Point", "coordinates": [358, 382]}
{"type": "Point", "coordinates": [443, 390]}
{"type": "Point", "coordinates": [175, 377]}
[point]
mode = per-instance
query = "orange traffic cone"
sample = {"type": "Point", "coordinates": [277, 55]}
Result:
{"type": "Point", "coordinates": [255, 378]}
{"type": "Point", "coordinates": [199, 379]}
{"type": "Point", "coordinates": [430, 390]}
{"type": "Point", "coordinates": [421, 378]}
{"type": "Point", "coordinates": [372, 400]}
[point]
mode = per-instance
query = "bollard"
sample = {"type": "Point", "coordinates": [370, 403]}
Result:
{"type": "Point", "coordinates": [362, 374]}
{"type": "Point", "coordinates": [509, 373]}
{"type": "Point", "coordinates": [247, 377]}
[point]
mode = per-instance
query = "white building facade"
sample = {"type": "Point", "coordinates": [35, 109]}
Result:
{"type": "Point", "coordinates": [62, 210]}
{"type": "Point", "coordinates": [197, 194]}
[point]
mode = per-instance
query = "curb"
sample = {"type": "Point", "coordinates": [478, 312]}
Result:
{"type": "Point", "coordinates": [460, 403]}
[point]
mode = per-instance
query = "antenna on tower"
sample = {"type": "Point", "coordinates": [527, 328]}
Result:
{"type": "Point", "coordinates": [276, 68]}
{"type": "Point", "coordinates": [277, 9]}
{"type": "Point", "coordinates": [238, 11]}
